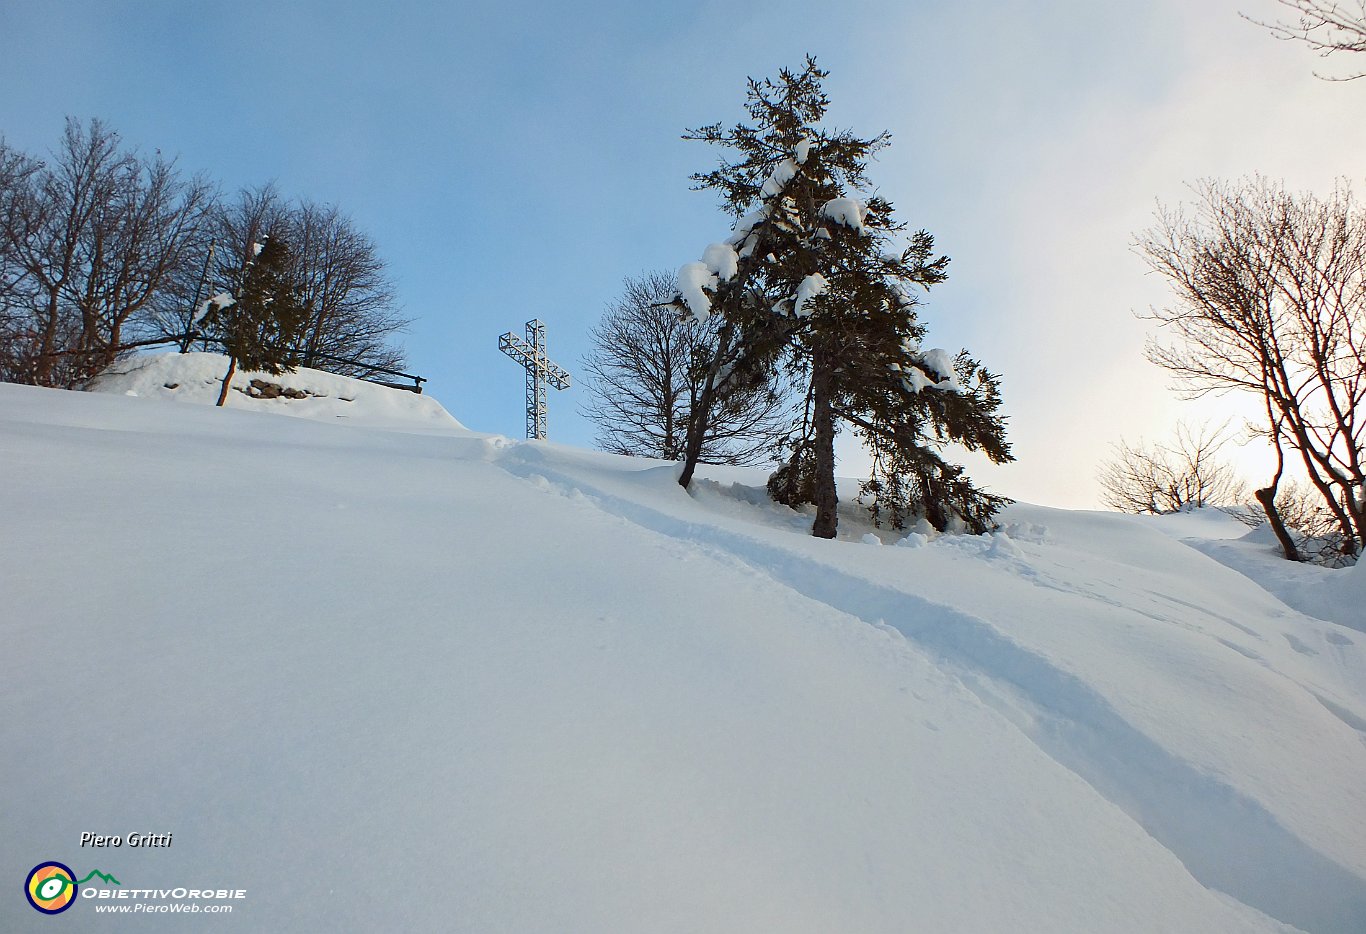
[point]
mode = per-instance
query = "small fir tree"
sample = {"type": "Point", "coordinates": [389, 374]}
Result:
{"type": "Point", "coordinates": [827, 283]}
{"type": "Point", "coordinates": [261, 328]}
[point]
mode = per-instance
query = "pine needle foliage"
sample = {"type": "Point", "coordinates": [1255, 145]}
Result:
{"type": "Point", "coordinates": [262, 329]}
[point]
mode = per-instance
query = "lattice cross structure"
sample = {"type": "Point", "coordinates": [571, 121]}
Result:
{"type": "Point", "coordinates": [531, 354]}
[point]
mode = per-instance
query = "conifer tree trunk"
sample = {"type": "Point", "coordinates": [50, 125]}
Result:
{"type": "Point", "coordinates": [227, 381]}
{"type": "Point", "coordinates": [823, 437]}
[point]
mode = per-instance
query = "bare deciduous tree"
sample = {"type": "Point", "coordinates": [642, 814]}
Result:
{"type": "Point", "coordinates": [1271, 300]}
{"type": "Point", "coordinates": [16, 289]}
{"type": "Point", "coordinates": [644, 378]}
{"type": "Point", "coordinates": [1161, 478]}
{"type": "Point", "coordinates": [92, 241]}
{"type": "Point", "coordinates": [346, 284]}
{"type": "Point", "coordinates": [1326, 26]}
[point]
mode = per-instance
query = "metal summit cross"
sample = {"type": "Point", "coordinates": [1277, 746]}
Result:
{"type": "Point", "coordinates": [531, 354]}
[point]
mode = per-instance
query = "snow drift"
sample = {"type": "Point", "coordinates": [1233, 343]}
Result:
{"type": "Point", "coordinates": [198, 377]}
{"type": "Point", "coordinates": [432, 680]}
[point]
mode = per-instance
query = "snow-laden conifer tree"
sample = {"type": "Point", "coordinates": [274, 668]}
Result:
{"type": "Point", "coordinates": [819, 277]}
{"type": "Point", "coordinates": [261, 328]}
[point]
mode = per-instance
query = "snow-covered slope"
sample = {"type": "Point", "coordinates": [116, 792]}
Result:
{"type": "Point", "coordinates": [198, 377]}
{"type": "Point", "coordinates": [1326, 593]}
{"type": "Point", "coordinates": [438, 681]}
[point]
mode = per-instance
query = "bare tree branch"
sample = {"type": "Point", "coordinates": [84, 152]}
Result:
{"type": "Point", "coordinates": [1326, 26]}
{"type": "Point", "coordinates": [1183, 473]}
{"type": "Point", "coordinates": [1271, 299]}
{"type": "Point", "coordinates": [90, 244]}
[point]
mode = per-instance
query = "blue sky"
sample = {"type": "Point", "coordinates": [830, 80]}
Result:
{"type": "Point", "coordinates": [517, 160]}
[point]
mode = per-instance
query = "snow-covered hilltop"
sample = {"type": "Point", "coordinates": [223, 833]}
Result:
{"type": "Point", "coordinates": [197, 378]}
{"type": "Point", "coordinates": [438, 681]}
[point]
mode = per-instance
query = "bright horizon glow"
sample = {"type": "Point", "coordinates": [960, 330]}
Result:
{"type": "Point", "coordinates": [518, 162]}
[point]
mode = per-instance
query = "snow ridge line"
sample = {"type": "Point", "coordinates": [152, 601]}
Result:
{"type": "Point", "coordinates": [1226, 840]}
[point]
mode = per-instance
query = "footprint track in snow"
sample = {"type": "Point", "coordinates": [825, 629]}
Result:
{"type": "Point", "coordinates": [1196, 816]}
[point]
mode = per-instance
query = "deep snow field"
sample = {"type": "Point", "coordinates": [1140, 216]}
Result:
{"type": "Point", "coordinates": [386, 674]}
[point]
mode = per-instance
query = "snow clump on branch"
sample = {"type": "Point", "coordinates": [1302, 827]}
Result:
{"type": "Point", "coordinates": [719, 264]}
{"type": "Point", "coordinates": [938, 362]}
{"type": "Point", "coordinates": [847, 211]}
{"type": "Point", "coordinates": [808, 289]}
{"type": "Point", "coordinates": [721, 259]}
{"type": "Point", "coordinates": [694, 279]}
{"type": "Point", "coordinates": [221, 300]}
{"type": "Point", "coordinates": [930, 363]}
{"type": "Point", "coordinates": [777, 180]}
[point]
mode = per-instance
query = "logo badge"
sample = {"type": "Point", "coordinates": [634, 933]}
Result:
{"type": "Point", "coordinates": [51, 887]}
